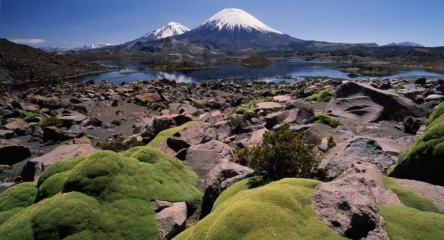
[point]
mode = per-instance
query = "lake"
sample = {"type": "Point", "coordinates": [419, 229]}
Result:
{"type": "Point", "coordinates": [137, 69]}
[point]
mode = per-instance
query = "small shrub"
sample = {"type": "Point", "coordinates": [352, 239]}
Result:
{"type": "Point", "coordinates": [158, 105]}
{"type": "Point", "coordinates": [237, 124]}
{"type": "Point", "coordinates": [331, 142]}
{"type": "Point", "coordinates": [115, 103]}
{"type": "Point", "coordinates": [119, 145]}
{"type": "Point", "coordinates": [328, 120]}
{"type": "Point", "coordinates": [136, 130]}
{"type": "Point", "coordinates": [116, 122]}
{"type": "Point", "coordinates": [398, 87]}
{"type": "Point", "coordinates": [120, 112]}
{"type": "Point", "coordinates": [322, 95]}
{"type": "Point", "coordinates": [91, 137]}
{"type": "Point", "coordinates": [308, 110]}
{"type": "Point", "coordinates": [400, 115]}
{"type": "Point", "coordinates": [283, 154]}
{"type": "Point", "coordinates": [196, 113]}
{"type": "Point", "coordinates": [51, 121]}
{"type": "Point", "coordinates": [248, 115]}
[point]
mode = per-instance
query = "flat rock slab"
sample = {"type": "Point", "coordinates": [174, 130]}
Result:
{"type": "Point", "coordinates": [60, 153]}
{"type": "Point", "coordinates": [433, 192]}
{"type": "Point", "coordinates": [345, 154]}
{"type": "Point", "coordinates": [268, 106]}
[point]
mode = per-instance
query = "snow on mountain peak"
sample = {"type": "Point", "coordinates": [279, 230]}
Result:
{"type": "Point", "coordinates": [231, 18]}
{"type": "Point", "coordinates": [170, 30]}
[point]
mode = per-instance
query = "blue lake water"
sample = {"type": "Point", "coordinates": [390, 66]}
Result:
{"type": "Point", "coordinates": [137, 69]}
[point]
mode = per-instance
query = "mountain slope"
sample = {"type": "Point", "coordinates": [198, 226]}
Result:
{"type": "Point", "coordinates": [170, 30]}
{"type": "Point", "coordinates": [26, 63]}
{"type": "Point", "coordinates": [236, 30]}
{"type": "Point", "coordinates": [404, 44]}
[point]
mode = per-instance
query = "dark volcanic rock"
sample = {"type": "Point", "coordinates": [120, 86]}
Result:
{"type": "Point", "coordinates": [13, 151]}
{"type": "Point", "coordinates": [411, 124]}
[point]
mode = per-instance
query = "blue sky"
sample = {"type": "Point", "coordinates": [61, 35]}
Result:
{"type": "Point", "coordinates": [66, 23]}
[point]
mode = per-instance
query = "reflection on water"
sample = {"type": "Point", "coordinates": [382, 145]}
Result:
{"type": "Point", "coordinates": [137, 69]}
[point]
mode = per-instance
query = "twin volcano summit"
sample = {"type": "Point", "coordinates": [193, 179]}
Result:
{"type": "Point", "coordinates": [229, 30]}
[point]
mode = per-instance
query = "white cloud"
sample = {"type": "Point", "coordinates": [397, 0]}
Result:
{"type": "Point", "coordinates": [31, 41]}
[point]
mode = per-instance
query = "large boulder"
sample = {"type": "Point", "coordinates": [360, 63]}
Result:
{"type": "Point", "coordinates": [349, 204]}
{"type": "Point", "coordinates": [424, 159]}
{"type": "Point", "coordinates": [361, 102]}
{"type": "Point", "coordinates": [55, 134]}
{"type": "Point", "coordinates": [13, 151]}
{"type": "Point", "coordinates": [221, 177]}
{"type": "Point", "coordinates": [344, 155]}
{"type": "Point", "coordinates": [204, 157]}
{"type": "Point", "coordinates": [49, 102]}
{"type": "Point", "coordinates": [171, 220]}
{"type": "Point", "coordinates": [194, 134]}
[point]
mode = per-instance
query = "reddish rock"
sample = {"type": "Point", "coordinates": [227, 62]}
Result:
{"type": "Point", "coordinates": [148, 98]}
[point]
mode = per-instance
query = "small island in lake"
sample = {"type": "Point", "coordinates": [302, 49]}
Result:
{"type": "Point", "coordinates": [256, 61]}
{"type": "Point", "coordinates": [183, 66]}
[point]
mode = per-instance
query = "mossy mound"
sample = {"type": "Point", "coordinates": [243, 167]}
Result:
{"type": "Point", "coordinates": [101, 196]}
{"type": "Point", "coordinates": [16, 199]}
{"type": "Point", "coordinates": [424, 159]}
{"type": "Point", "coordinates": [279, 210]}
{"type": "Point", "coordinates": [409, 223]}
{"type": "Point", "coordinates": [409, 198]}
{"type": "Point", "coordinates": [321, 95]}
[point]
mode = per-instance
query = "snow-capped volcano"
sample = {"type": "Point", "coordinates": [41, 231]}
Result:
{"type": "Point", "coordinates": [236, 29]}
{"type": "Point", "coordinates": [232, 18]}
{"type": "Point", "coordinates": [170, 30]}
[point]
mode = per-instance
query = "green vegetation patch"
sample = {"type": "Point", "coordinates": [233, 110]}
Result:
{"type": "Point", "coordinates": [279, 210]}
{"type": "Point", "coordinates": [409, 198]}
{"type": "Point", "coordinates": [165, 134]}
{"type": "Point", "coordinates": [321, 95]}
{"type": "Point", "coordinates": [100, 196]}
{"type": "Point", "coordinates": [424, 159]}
{"type": "Point", "coordinates": [245, 108]}
{"type": "Point", "coordinates": [16, 198]}
{"type": "Point", "coordinates": [328, 120]}
{"type": "Point", "coordinates": [407, 223]}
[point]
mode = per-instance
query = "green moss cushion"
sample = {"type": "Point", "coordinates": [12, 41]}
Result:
{"type": "Point", "coordinates": [424, 159]}
{"type": "Point", "coordinates": [409, 198]}
{"type": "Point", "coordinates": [279, 210]}
{"type": "Point", "coordinates": [15, 199]}
{"type": "Point", "coordinates": [101, 196]}
{"type": "Point", "coordinates": [411, 224]}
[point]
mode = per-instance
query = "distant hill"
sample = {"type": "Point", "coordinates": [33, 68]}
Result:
{"type": "Point", "coordinates": [404, 44]}
{"type": "Point", "coordinates": [26, 63]}
{"type": "Point", "coordinates": [84, 47]}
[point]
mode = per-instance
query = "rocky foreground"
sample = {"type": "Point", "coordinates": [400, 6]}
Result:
{"type": "Point", "coordinates": [175, 160]}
